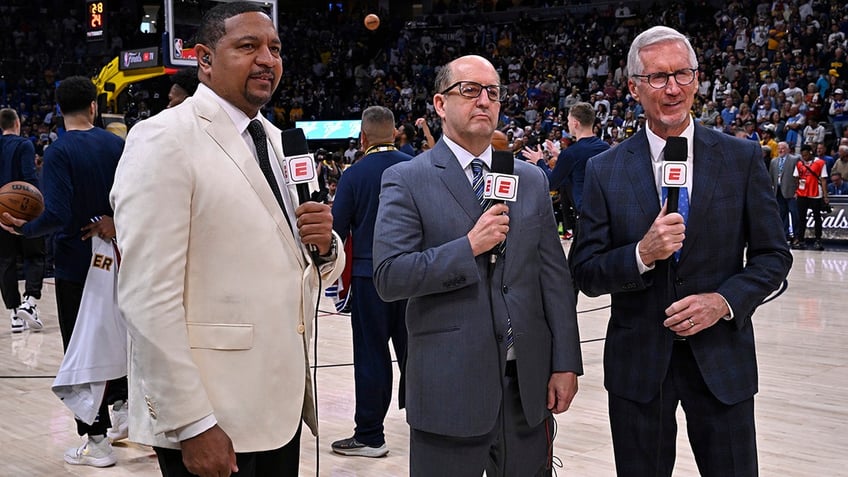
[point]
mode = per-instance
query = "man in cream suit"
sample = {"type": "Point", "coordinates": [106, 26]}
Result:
{"type": "Point", "coordinates": [216, 284]}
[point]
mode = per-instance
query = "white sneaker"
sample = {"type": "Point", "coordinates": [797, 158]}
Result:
{"type": "Point", "coordinates": [92, 453]}
{"type": "Point", "coordinates": [17, 323]}
{"type": "Point", "coordinates": [28, 311]}
{"type": "Point", "coordinates": [120, 422]}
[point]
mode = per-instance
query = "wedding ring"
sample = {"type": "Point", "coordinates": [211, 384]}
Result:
{"type": "Point", "coordinates": [691, 323]}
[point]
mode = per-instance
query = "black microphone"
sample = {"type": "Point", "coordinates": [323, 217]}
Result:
{"type": "Point", "coordinates": [501, 185]}
{"type": "Point", "coordinates": [299, 168]}
{"type": "Point", "coordinates": [674, 175]}
{"type": "Point", "coordinates": [301, 173]}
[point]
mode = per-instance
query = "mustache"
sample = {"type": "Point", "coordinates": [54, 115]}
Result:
{"type": "Point", "coordinates": [264, 72]}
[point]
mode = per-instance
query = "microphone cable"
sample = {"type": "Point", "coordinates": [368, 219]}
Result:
{"type": "Point", "coordinates": [315, 367]}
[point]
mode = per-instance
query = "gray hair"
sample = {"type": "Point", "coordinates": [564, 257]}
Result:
{"type": "Point", "coordinates": [652, 36]}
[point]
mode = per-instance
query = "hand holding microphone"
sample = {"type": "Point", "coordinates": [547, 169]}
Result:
{"type": "Point", "coordinates": [667, 232]}
{"type": "Point", "coordinates": [314, 220]}
{"type": "Point", "coordinates": [491, 229]}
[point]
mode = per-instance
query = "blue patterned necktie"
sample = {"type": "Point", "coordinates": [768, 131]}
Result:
{"type": "Point", "coordinates": [682, 209]}
{"type": "Point", "coordinates": [477, 180]}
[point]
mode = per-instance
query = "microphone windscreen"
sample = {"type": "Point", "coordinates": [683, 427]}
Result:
{"type": "Point", "coordinates": [676, 149]}
{"type": "Point", "coordinates": [503, 162]}
{"type": "Point", "coordinates": [294, 142]}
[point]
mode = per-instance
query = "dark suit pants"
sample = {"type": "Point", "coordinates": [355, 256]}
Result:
{"type": "Point", "coordinates": [815, 205]}
{"type": "Point", "coordinates": [282, 462]}
{"type": "Point", "coordinates": [722, 436]}
{"type": "Point", "coordinates": [511, 449]}
{"type": "Point", "coordinates": [33, 252]}
{"type": "Point", "coordinates": [788, 209]}
{"type": "Point", "coordinates": [374, 322]}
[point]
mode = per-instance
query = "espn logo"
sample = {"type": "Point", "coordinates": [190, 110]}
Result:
{"type": "Point", "coordinates": [500, 187]}
{"type": "Point", "coordinates": [674, 174]}
{"type": "Point", "coordinates": [300, 169]}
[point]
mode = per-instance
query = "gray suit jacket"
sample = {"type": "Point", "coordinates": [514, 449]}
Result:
{"type": "Point", "coordinates": [457, 314]}
{"type": "Point", "coordinates": [787, 180]}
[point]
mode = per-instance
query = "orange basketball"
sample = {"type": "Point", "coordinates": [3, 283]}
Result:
{"type": "Point", "coordinates": [21, 200]}
{"type": "Point", "coordinates": [372, 22]}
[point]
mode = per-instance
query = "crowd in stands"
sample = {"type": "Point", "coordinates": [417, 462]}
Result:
{"type": "Point", "coordinates": [773, 69]}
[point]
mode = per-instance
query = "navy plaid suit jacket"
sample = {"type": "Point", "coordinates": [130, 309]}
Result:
{"type": "Point", "coordinates": [733, 210]}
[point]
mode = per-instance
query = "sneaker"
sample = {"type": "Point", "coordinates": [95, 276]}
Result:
{"type": "Point", "coordinates": [818, 246]}
{"type": "Point", "coordinates": [29, 312]}
{"type": "Point", "coordinates": [120, 422]}
{"type": "Point", "coordinates": [92, 453]}
{"type": "Point", "coordinates": [17, 323]}
{"type": "Point", "coordinates": [353, 447]}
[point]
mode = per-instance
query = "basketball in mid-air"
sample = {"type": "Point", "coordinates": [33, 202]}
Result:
{"type": "Point", "coordinates": [21, 200]}
{"type": "Point", "coordinates": [372, 22]}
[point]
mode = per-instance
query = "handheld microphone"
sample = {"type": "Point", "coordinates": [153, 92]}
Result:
{"type": "Point", "coordinates": [299, 167]}
{"type": "Point", "coordinates": [501, 185]}
{"type": "Point", "coordinates": [674, 170]}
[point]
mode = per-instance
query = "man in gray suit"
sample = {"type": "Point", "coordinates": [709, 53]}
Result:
{"type": "Point", "coordinates": [493, 348]}
{"type": "Point", "coordinates": [780, 170]}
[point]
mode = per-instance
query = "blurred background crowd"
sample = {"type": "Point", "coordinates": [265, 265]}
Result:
{"type": "Point", "coordinates": [767, 69]}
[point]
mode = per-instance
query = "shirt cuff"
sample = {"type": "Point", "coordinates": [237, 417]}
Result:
{"type": "Point", "coordinates": [639, 263]}
{"type": "Point", "coordinates": [192, 430]}
{"type": "Point", "coordinates": [729, 316]}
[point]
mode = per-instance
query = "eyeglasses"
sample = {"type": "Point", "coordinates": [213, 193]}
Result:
{"type": "Point", "coordinates": [660, 80]}
{"type": "Point", "coordinates": [470, 89]}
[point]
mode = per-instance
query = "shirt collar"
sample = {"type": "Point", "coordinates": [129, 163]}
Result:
{"type": "Point", "coordinates": [464, 157]}
{"type": "Point", "coordinates": [657, 144]}
{"type": "Point", "coordinates": [237, 116]}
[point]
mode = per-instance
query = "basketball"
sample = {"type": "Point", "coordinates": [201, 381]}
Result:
{"type": "Point", "coordinates": [21, 200]}
{"type": "Point", "coordinates": [372, 22]}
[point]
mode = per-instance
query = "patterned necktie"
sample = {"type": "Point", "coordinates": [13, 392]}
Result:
{"type": "Point", "coordinates": [257, 133]}
{"type": "Point", "coordinates": [682, 209]}
{"type": "Point", "coordinates": [477, 180]}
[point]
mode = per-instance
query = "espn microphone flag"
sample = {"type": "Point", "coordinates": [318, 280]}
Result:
{"type": "Point", "coordinates": [298, 165]}
{"type": "Point", "coordinates": [675, 173]}
{"type": "Point", "coordinates": [500, 184]}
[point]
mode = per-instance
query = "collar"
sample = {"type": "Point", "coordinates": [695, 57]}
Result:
{"type": "Point", "coordinates": [383, 147]}
{"type": "Point", "coordinates": [464, 157]}
{"type": "Point", "coordinates": [657, 144]}
{"type": "Point", "coordinates": [237, 116]}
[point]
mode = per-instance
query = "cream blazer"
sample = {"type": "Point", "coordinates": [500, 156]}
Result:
{"type": "Point", "coordinates": [218, 297]}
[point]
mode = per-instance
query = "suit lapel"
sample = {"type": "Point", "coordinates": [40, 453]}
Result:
{"type": "Point", "coordinates": [706, 164]}
{"type": "Point", "coordinates": [637, 158]}
{"type": "Point", "coordinates": [455, 180]}
{"type": "Point", "coordinates": [221, 130]}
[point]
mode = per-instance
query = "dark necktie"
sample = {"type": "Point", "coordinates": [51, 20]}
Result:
{"type": "Point", "coordinates": [257, 133]}
{"type": "Point", "coordinates": [477, 180]}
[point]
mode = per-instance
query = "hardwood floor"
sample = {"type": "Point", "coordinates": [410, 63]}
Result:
{"type": "Point", "coordinates": [802, 422]}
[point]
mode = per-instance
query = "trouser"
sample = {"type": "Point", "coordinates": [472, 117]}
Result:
{"type": "Point", "coordinates": [722, 436]}
{"type": "Point", "coordinates": [281, 462]}
{"type": "Point", "coordinates": [511, 448]}
{"type": "Point", "coordinates": [815, 205]}
{"type": "Point", "coordinates": [33, 252]}
{"type": "Point", "coordinates": [68, 298]}
{"type": "Point", "coordinates": [374, 322]}
{"type": "Point", "coordinates": [788, 209]}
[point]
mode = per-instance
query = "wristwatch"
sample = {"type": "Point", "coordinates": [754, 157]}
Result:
{"type": "Point", "coordinates": [331, 254]}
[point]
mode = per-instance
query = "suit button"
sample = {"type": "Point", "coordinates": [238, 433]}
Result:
{"type": "Point", "coordinates": [499, 338]}
{"type": "Point", "coordinates": [505, 289]}
{"type": "Point", "coordinates": [678, 282]}
{"type": "Point", "coordinates": [301, 329]}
